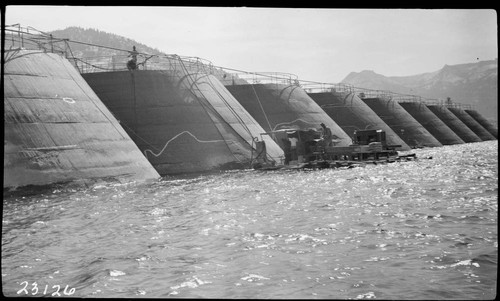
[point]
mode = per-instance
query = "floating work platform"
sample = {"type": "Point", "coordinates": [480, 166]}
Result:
{"type": "Point", "coordinates": [312, 149]}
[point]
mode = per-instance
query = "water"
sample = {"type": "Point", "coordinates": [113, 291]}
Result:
{"type": "Point", "coordinates": [414, 230]}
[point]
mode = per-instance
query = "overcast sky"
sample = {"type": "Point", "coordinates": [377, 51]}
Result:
{"type": "Point", "coordinates": [322, 45]}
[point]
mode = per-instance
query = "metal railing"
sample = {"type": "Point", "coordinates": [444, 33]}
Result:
{"type": "Point", "coordinates": [20, 38]}
{"type": "Point", "coordinates": [144, 62]}
{"type": "Point", "coordinates": [369, 93]}
{"type": "Point", "coordinates": [265, 77]}
{"type": "Point", "coordinates": [313, 87]}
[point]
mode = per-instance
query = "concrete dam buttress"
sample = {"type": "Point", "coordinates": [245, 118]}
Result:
{"type": "Point", "coordinates": [183, 122]}
{"type": "Point", "coordinates": [455, 124]}
{"type": "Point", "coordinates": [351, 114]}
{"type": "Point", "coordinates": [432, 123]}
{"type": "Point", "coordinates": [478, 129]}
{"type": "Point", "coordinates": [483, 122]}
{"type": "Point", "coordinates": [56, 128]}
{"type": "Point", "coordinates": [409, 129]}
{"type": "Point", "coordinates": [282, 106]}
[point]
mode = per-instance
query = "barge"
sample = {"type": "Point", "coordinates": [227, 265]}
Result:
{"type": "Point", "coordinates": [314, 149]}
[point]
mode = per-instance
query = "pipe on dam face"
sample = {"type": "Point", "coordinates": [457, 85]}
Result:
{"type": "Point", "coordinates": [483, 122]}
{"type": "Point", "coordinates": [409, 129]}
{"type": "Point", "coordinates": [478, 129]}
{"type": "Point", "coordinates": [432, 123]}
{"type": "Point", "coordinates": [455, 124]}
{"type": "Point", "coordinates": [351, 114]}
{"type": "Point", "coordinates": [183, 122]}
{"type": "Point", "coordinates": [281, 106]}
{"type": "Point", "coordinates": [57, 130]}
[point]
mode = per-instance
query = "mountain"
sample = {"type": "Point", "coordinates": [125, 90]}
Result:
{"type": "Point", "coordinates": [101, 38]}
{"type": "Point", "coordinates": [473, 83]}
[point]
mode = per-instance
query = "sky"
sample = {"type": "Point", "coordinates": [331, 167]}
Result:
{"type": "Point", "coordinates": [322, 45]}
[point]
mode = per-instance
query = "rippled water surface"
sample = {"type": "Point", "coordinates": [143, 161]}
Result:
{"type": "Point", "coordinates": [415, 230]}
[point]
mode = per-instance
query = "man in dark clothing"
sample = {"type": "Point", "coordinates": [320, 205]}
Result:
{"type": "Point", "coordinates": [132, 64]}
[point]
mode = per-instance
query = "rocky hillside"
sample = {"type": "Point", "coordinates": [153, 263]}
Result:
{"type": "Point", "coordinates": [474, 83]}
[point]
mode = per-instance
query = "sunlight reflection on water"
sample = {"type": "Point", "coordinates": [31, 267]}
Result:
{"type": "Point", "coordinates": [415, 230]}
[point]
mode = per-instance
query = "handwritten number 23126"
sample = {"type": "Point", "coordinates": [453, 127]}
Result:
{"type": "Point", "coordinates": [35, 290]}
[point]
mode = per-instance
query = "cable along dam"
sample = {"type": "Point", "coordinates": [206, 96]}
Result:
{"type": "Point", "coordinates": [71, 118]}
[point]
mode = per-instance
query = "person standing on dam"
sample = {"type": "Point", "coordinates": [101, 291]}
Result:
{"type": "Point", "coordinates": [132, 64]}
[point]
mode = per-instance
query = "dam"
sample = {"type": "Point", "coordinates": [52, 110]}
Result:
{"type": "Point", "coordinates": [71, 118]}
{"type": "Point", "coordinates": [455, 124]}
{"type": "Point", "coordinates": [483, 122]}
{"type": "Point", "coordinates": [56, 129]}
{"type": "Point", "coordinates": [429, 120]}
{"type": "Point", "coordinates": [470, 122]}
{"type": "Point", "coordinates": [180, 116]}
{"type": "Point", "coordinates": [392, 113]}
{"type": "Point", "coordinates": [278, 103]}
{"type": "Point", "coordinates": [350, 112]}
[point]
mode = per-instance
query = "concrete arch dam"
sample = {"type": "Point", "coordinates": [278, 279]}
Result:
{"type": "Point", "coordinates": [478, 129]}
{"type": "Point", "coordinates": [56, 128]}
{"type": "Point", "coordinates": [483, 122]}
{"type": "Point", "coordinates": [183, 122]}
{"type": "Point", "coordinates": [432, 123]}
{"type": "Point", "coordinates": [281, 106]}
{"type": "Point", "coordinates": [455, 124]}
{"type": "Point", "coordinates": [409, 129]}
{"type": "Point", "coordinates": [351, 114]}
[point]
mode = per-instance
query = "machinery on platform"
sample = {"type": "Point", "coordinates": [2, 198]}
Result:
{"type": "Point", "coordinates": [315, 148]}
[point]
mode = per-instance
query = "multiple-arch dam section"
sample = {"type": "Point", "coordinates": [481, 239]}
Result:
{"type": "Point", "coordinates": [351, 113]}
{"type": "Point", "coordinates": [56, 129]}
{"type": "Point", "coordinates": [183, 121]}
{"type": "Point", "coordinates": [472, 123]}
{"type": "Point", "coordinates": [395, 116]}
{"type": "Point", "coordinates": [431, 122]}
{"type": "Point", "coordinates": [278, 106]}
{"type": "Point", "coordinates": [455, 124]}
{"type": "Point", "coordinates": [483, 122]}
